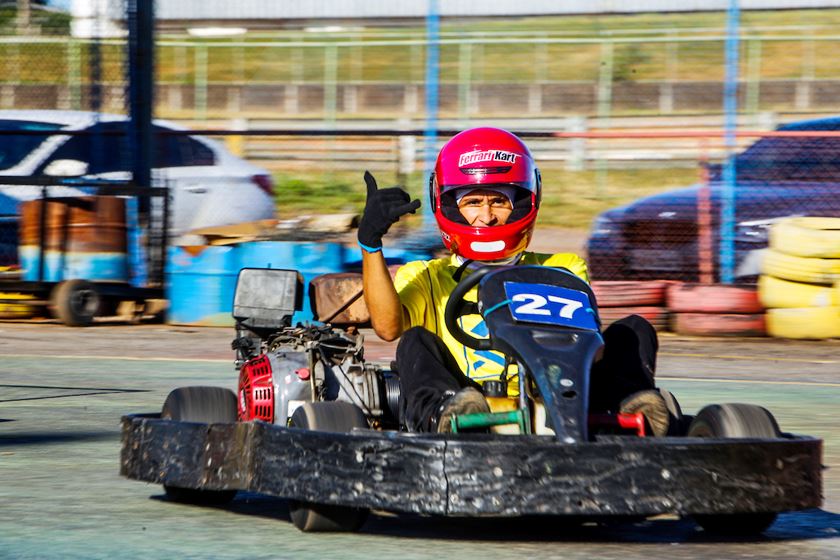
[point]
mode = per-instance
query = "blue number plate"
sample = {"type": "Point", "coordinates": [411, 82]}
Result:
{"type": "Point", "coordinates": [543, 303]}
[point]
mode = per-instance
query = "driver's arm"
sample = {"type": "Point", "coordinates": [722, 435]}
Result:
{"type": "Point", "coordinates": [383, 303]}
{"type": "Point", "coordinates": [383, 207]}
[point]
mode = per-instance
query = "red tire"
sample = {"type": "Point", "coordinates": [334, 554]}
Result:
{"type": "Point", "coordinates": [627, 293]}
{"type": "Point", "coordinates": [658, 316]}
{"type": "Point", "coordinates": [713, 298]}
{"type": "Point", "coordinates": [719, 324]}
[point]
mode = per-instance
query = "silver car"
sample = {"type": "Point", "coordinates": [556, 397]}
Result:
{"type": "Point", "coordinates": [208, 185]}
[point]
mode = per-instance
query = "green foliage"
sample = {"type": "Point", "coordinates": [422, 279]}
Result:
{"type": "Point", "coordinates": [45, 22]}
{"type": "Point", "coordinates": [571, 199]}
{"type": "Point", "coordinates": [306, 193]}
{"type": "Point", "coordinates": [629, 60]}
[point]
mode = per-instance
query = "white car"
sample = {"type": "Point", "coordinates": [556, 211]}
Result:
{"type": "Point", "coordinates": [208, 185]}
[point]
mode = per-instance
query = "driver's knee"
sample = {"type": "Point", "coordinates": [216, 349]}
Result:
{"type": "Point", "coordinates": [633, 330]}
{"type": "Point", "coordinates": [411, 340]}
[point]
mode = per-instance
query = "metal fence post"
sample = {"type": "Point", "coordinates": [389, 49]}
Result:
{"type": "Point", "coordinates": [200, 85]}
{"type": "Point", "coordinates": [666, 92]}
{"type": "Point", "coordinates": [432, 84]}
{"type": "Point", "coordinates": [464, 82]}
{"type": "Point", "coordinates": [11, 79]}
{"type": "Point", "coordinates": [605, 81]}
{"type": "Point", "coordinates": [141, 89]}
{"type": "Point", "coordinates": [730, 109]}
{"type": "Point", "coordinates": [330, 85]}
{"type": "Point", "coordinates": [802, 100]}
{"type": "Point", "coordinates": [605, 84]}
{"type": "Point", "coordinates": [753, 96]}
{"type": "Point", "coordinates": [74, 75]}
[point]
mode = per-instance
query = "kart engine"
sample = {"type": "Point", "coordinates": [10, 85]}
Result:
{"type": "Point", "coordinates": [312, 363]}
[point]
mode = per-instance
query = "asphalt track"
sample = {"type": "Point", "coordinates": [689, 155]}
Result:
{"type": "Point", "coordinates": [62, 392]}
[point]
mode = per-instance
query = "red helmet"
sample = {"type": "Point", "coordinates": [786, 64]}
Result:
{"type": "Point", "coordinates": [485, 157]}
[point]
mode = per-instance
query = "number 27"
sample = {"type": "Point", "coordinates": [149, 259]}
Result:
{"type": "Point", "coordinates": [536, 305]}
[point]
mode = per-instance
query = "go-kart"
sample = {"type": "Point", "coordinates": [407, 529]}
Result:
{"type": "Point", "coordinates": [315, 423]}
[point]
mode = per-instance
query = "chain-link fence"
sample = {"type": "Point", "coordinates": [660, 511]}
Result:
{"type": "Point", "coordinates": [614, 109]}
{"type": "Point", "coordinates": [683, 234]}
{"type": "Point", "coordinates": [69, 202]}
{"type": "Point", "coordinates": [51, 81]}
{"type": "Point", "coordinates": [493, 74]}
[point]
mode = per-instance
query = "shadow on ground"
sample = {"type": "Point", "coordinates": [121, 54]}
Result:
{"type": "Point", "coordinates": [38, 438]}
{"type": "Point", "coordinates": [804, 525]}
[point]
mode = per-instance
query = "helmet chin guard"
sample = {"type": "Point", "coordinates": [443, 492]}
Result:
{"type": "Point", "coordinates": [485, 157]}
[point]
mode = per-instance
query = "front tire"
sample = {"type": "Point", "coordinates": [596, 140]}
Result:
{"type": "Point", "coordinates": [332, 416]}
{"type": "Point", "coordinates": [735, 420]}
{"type": "Point", "coordinates": [207, 405]}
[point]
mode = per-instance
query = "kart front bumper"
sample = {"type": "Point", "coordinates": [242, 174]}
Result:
{"type": "Point", "coordinates": [478, 474]}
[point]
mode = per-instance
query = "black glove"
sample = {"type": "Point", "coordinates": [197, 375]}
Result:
{"type": "Point", "coordinates": [383, 208]}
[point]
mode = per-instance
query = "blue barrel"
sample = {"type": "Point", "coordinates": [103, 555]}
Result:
{"type": "Point", "coordinates": [310, 259]}
{"type": "Point", "coordinates": [200, 285]}
{"type": "Point", "coordinates": [202, 280]}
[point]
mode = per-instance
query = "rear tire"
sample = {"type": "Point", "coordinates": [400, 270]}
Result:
{"type": "Point", "coordinates": [207, 405]}
{"type": "Point", "coordinates": [75, 302]}
{"type": "Point", "coordinates": [333, 416]}
{"type": "Point", "coordinates": [735, 420]}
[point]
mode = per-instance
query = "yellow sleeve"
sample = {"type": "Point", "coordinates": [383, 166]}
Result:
{"type": "Point", "coordinates": [412, 285]}
{"type": "Point", "coordinates": [575, 264]}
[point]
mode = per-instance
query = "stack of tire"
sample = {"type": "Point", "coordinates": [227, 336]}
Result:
{"type": "Point", "coordinates": [800, 281]}
{"type": "Point", "coordinates": [715, 310]}
{"type": "Point", "coordinates": [618, 299]}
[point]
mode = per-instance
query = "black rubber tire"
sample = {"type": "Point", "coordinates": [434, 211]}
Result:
{"type": "Point", "coordinates": [208, 405]}
{"type": "Point", "coordinates": [332, 416]}
{"type": "Point", "coordinates": [75, 302]}
{"type": "Point", "coordinates": [735, 420]}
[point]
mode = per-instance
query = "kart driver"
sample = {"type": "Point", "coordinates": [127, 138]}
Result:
{"type": "Point", "coordinates": [485, 194]}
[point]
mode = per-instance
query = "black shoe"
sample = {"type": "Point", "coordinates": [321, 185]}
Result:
{"type": "Point", "coordinates": [654, 408]}
{"type": "Point", "coordinates": [466, 401]}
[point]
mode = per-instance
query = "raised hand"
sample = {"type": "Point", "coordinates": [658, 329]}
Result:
{"type": "Point", "coordinates": [383, 208]}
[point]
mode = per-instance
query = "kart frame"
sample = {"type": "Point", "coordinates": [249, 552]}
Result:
{"type": "Point", "coordinates": [478, 474]}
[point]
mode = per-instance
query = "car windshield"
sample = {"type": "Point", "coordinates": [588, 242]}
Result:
{"type": "Point", "coordinates": [15, 147]}
{"type": "Point", "coordinates": [814, 159]}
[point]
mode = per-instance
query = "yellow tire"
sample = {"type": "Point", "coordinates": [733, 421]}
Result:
{"type": "Point", "coordinates": [775, 292]}
{"type": "Point", "coordinates": [804, 322]}
{"type": "Point", "coordinates": [15, 306]}
{"type": "Point", "coordinates": [807, 237]}
{"type": "Point", "coordinates": [800, 269]}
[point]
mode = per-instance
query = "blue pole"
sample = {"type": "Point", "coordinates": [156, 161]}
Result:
{"type": "Point", "coordinates": [432, 82]}
{"type": "Point", "coordinates": [730, 110]}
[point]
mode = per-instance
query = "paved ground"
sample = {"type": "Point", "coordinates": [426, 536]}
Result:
{"type": "Point", "coordinates": [63, 390]}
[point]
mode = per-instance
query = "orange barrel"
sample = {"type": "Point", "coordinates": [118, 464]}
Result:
{"type": "Point", "coordinates": [85, 237]}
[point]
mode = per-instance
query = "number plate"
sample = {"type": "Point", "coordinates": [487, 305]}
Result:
{"type": "Point", "coordinates": [543, 303]}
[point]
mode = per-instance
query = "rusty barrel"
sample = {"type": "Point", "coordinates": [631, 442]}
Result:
{"type": "Point", "coordinates": [84, 237]}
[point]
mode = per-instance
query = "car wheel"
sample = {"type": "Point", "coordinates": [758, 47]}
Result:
{"type": "Point", "coordinates": [75, 302]}
{"type": "Point", "coordinates": [735, 420]}
{"type": "Point", "coordinates": [207, 405]}
{"type": "Point", "coordinates": [328, 417]}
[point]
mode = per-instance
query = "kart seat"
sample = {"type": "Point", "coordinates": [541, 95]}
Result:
{"type": "Point", "coordinates": [336, 298]}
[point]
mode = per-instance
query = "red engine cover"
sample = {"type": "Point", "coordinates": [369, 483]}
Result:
{"type": "Point", "coordinates": [256, 390]}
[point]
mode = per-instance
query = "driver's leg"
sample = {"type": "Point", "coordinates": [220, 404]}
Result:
{"type": "Point", "coordinates": [628, 364]}
{"type": "Point", "coordinates": [623, 380]}
{"type": "Point", "coordinates": [429, 377]}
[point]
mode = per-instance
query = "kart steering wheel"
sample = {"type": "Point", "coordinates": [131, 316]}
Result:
{"type": "Point", "coordinates": [458, 306]}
